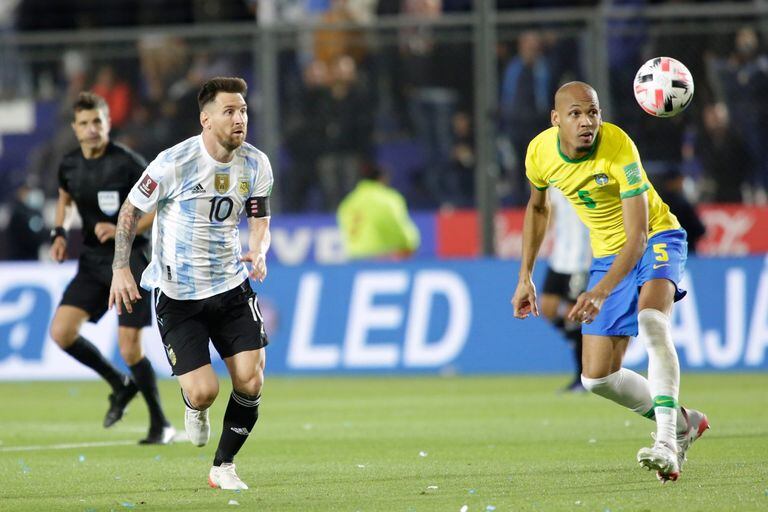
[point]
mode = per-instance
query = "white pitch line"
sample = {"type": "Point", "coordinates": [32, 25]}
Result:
{"type": "Point", "coordinates": [65, 446]}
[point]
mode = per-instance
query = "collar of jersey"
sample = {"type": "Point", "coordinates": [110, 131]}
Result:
{"type": "Point", "coordinates": [577, 160]}
{"type": "Point", "coordinates": [223, 166]}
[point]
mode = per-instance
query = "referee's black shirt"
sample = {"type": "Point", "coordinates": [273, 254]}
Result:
{"type": "Point", "coordinates": [99, 187]}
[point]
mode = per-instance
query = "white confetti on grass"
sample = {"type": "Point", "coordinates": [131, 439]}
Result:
{"type": "Point", "coordinates": [464, 508]}
{"type": "Point", "coordinates": [423, 454]}
{"type": "Point", "coordinates": [233, 502]}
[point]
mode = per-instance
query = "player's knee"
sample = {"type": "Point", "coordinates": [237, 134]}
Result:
{"type": "Point", "coordinates": [64, 335]}
{"type": "Point", "coordinates": [596, 385]}
{"type": "Point", "coordinates": [202, 396]}
{"type": "Point", "coordinates": [549, 309]}
{"type": "Point", "coordinates": [252, 385]}
{"type": "Point", "coordinates": [654, 324]}
{"type": "Point", "coordinates": [131, 353]}
{"type": "Point", "coordinates": [129, 341]}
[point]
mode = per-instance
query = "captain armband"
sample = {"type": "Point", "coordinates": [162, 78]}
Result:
{"type": "Point", "coordinates": [257, 207]}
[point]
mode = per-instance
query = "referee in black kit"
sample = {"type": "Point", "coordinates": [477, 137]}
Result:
{"type": "Point", "coordinates": [97, 178]}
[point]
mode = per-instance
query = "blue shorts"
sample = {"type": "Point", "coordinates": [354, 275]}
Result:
{"type": "Point", "coordinates": [663, 259]}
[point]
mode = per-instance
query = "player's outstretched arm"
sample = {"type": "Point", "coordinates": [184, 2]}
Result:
{"type": "Point", "coordinates": [259, 239]}
{"type": "Point", "coordinates": [635, 213]}
{"type": "Point", "coordinates": [534, 230]}
{"type": "Point", "coordinates": [123, 290]}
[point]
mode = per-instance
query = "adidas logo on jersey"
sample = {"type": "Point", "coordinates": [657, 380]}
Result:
{"type": "Point", "coordinates": [199, 189]}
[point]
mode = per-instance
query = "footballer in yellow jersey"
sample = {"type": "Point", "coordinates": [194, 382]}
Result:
{"type": "Point", "coordinates": [639, 255]}
{"type": "Point", "coordinates": [596, 183]}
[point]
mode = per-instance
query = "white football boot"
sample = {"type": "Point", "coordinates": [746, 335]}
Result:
{"type": "Point", "coordinates": [224, 477]}
{"type": "Point", "coordinates": [663, 458]}
{"type": "Point", "coordinates": [697, 424]}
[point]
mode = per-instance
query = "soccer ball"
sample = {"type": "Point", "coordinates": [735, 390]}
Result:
{"type": "Point", "coordinates": [663, 87]}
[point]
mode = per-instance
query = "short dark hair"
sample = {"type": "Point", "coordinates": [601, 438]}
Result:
{"type": "Point", "coordinates": [89, 101]}
{"type": "Point", "coordinates": [214, 86]}
{"type": "Point", "coordinates": [370, 170]}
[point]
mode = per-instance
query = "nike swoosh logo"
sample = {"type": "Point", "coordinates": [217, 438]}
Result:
{"type": "Point", "coordinates": [554, 181]}
{"type": "Point", "coordinates": [659, 266]}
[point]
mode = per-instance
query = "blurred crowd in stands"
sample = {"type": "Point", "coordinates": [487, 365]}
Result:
{"type": "Point", "coordinates": [403, 97]}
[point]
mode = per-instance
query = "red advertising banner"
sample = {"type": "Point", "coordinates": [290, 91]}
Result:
{"type": "Point", "coordinates": [732, 230]}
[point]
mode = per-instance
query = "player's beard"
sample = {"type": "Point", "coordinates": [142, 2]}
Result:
{"type": "Point", "coordinates": [231, 145]}
{"type": "Point", "coordinates": [232, 142]}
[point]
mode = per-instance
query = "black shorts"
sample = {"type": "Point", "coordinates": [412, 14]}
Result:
{"type": "Point", "coordinates": [566, 286]}
{"type": "Point", "coordinates": [89, 290]}
{"type": "Point", "coordinates": [231, 320]}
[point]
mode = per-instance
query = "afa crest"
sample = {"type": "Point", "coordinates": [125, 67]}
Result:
{"type": "Point", "coordinates": [171, 355]}
{"type": "Point", "coordinates": [221, 183]}
{"type": "Point", "coordinates": [243, 188]}
{"type": "Point", "coordinates": [601, 179]}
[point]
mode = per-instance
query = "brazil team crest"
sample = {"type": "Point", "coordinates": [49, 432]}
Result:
{"type": "Point", "coordinates": [601, 179]}
{"type": "Point", "coordinates": [242, 187]}
{"type": "Point", "coordinates": [221, 183]}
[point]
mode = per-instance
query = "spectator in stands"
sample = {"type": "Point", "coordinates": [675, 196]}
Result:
{"type": "Point", "coordinates": [116, 92]}
{"type": "Point", "coordinates": [742, 83]}
{"type": "Point", "coordinates": [458, 185]}
{"type": "Point", "coordinates": [725, 159]}
{"type": "Point", "coordinates": [374, 219]}
{"type": "Point", "coordinates": [348, 125]}
{"type": "Point", "coordinates": [425, 78]}
{"type": "Point", "coordinates": [75, 69]}
{"type": "Point", "coordinates": [527, 86]}
{"type": "Point", "coordinates": [333, 43]}
{"type": "Point", "coordinates": [671, 190]}
{"type": "Point", "coordinates": [625, 40]}
{"type": "Point", "coordinates": [26, 228]}
{"type": "Point", "coordinates": [305, 138]}
{"type": "Point", "coordinates": [14, 76]}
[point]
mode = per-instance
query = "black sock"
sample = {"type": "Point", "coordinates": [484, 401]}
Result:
{"type": "Point", "coordinates": [87, 353]}
{"type": "Point", "coordinates": [575, 336]}
{"type": "Point", "coordinates": [144, 377]}
{"type": "Point", "coordinates": [240, 417]}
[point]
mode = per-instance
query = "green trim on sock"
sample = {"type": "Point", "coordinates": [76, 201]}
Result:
{"type": "Point", "coordinates": [664, 401]}
{"type": "Point", "coordinates": [651, 414]}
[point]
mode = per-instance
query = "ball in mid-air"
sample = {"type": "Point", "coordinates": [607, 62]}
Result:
{"type": "Point", "coordinates": [663, 87]}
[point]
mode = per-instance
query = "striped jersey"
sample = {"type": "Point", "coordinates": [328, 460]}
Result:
{"type": "Point", "coordinates": [571, 252]}
{"type": "Point", "coordinates": [196, 244]}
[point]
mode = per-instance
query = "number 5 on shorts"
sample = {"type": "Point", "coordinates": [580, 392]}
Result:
{"type": "Point", "coordinates": [660, 250]}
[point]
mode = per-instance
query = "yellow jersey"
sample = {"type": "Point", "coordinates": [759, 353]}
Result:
{"type": "Point", "coordinates": [596, 183]}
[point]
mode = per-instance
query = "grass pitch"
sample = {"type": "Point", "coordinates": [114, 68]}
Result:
{"type": "Point", "coordinates": [394, 444]}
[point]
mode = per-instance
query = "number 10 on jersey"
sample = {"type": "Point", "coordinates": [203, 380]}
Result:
{"type": "Point", "coordinates": [221, 207]}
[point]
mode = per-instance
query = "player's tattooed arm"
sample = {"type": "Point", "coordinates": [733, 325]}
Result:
{"type": "Point", "coordinates": [125, 232]}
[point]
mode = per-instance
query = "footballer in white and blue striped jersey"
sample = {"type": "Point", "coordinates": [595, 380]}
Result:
{"type": "Point", "coordinates": [199, 201]}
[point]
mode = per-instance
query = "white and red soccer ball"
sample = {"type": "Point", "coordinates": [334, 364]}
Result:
{"type": "Point", "coordinates": [663, 87]}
